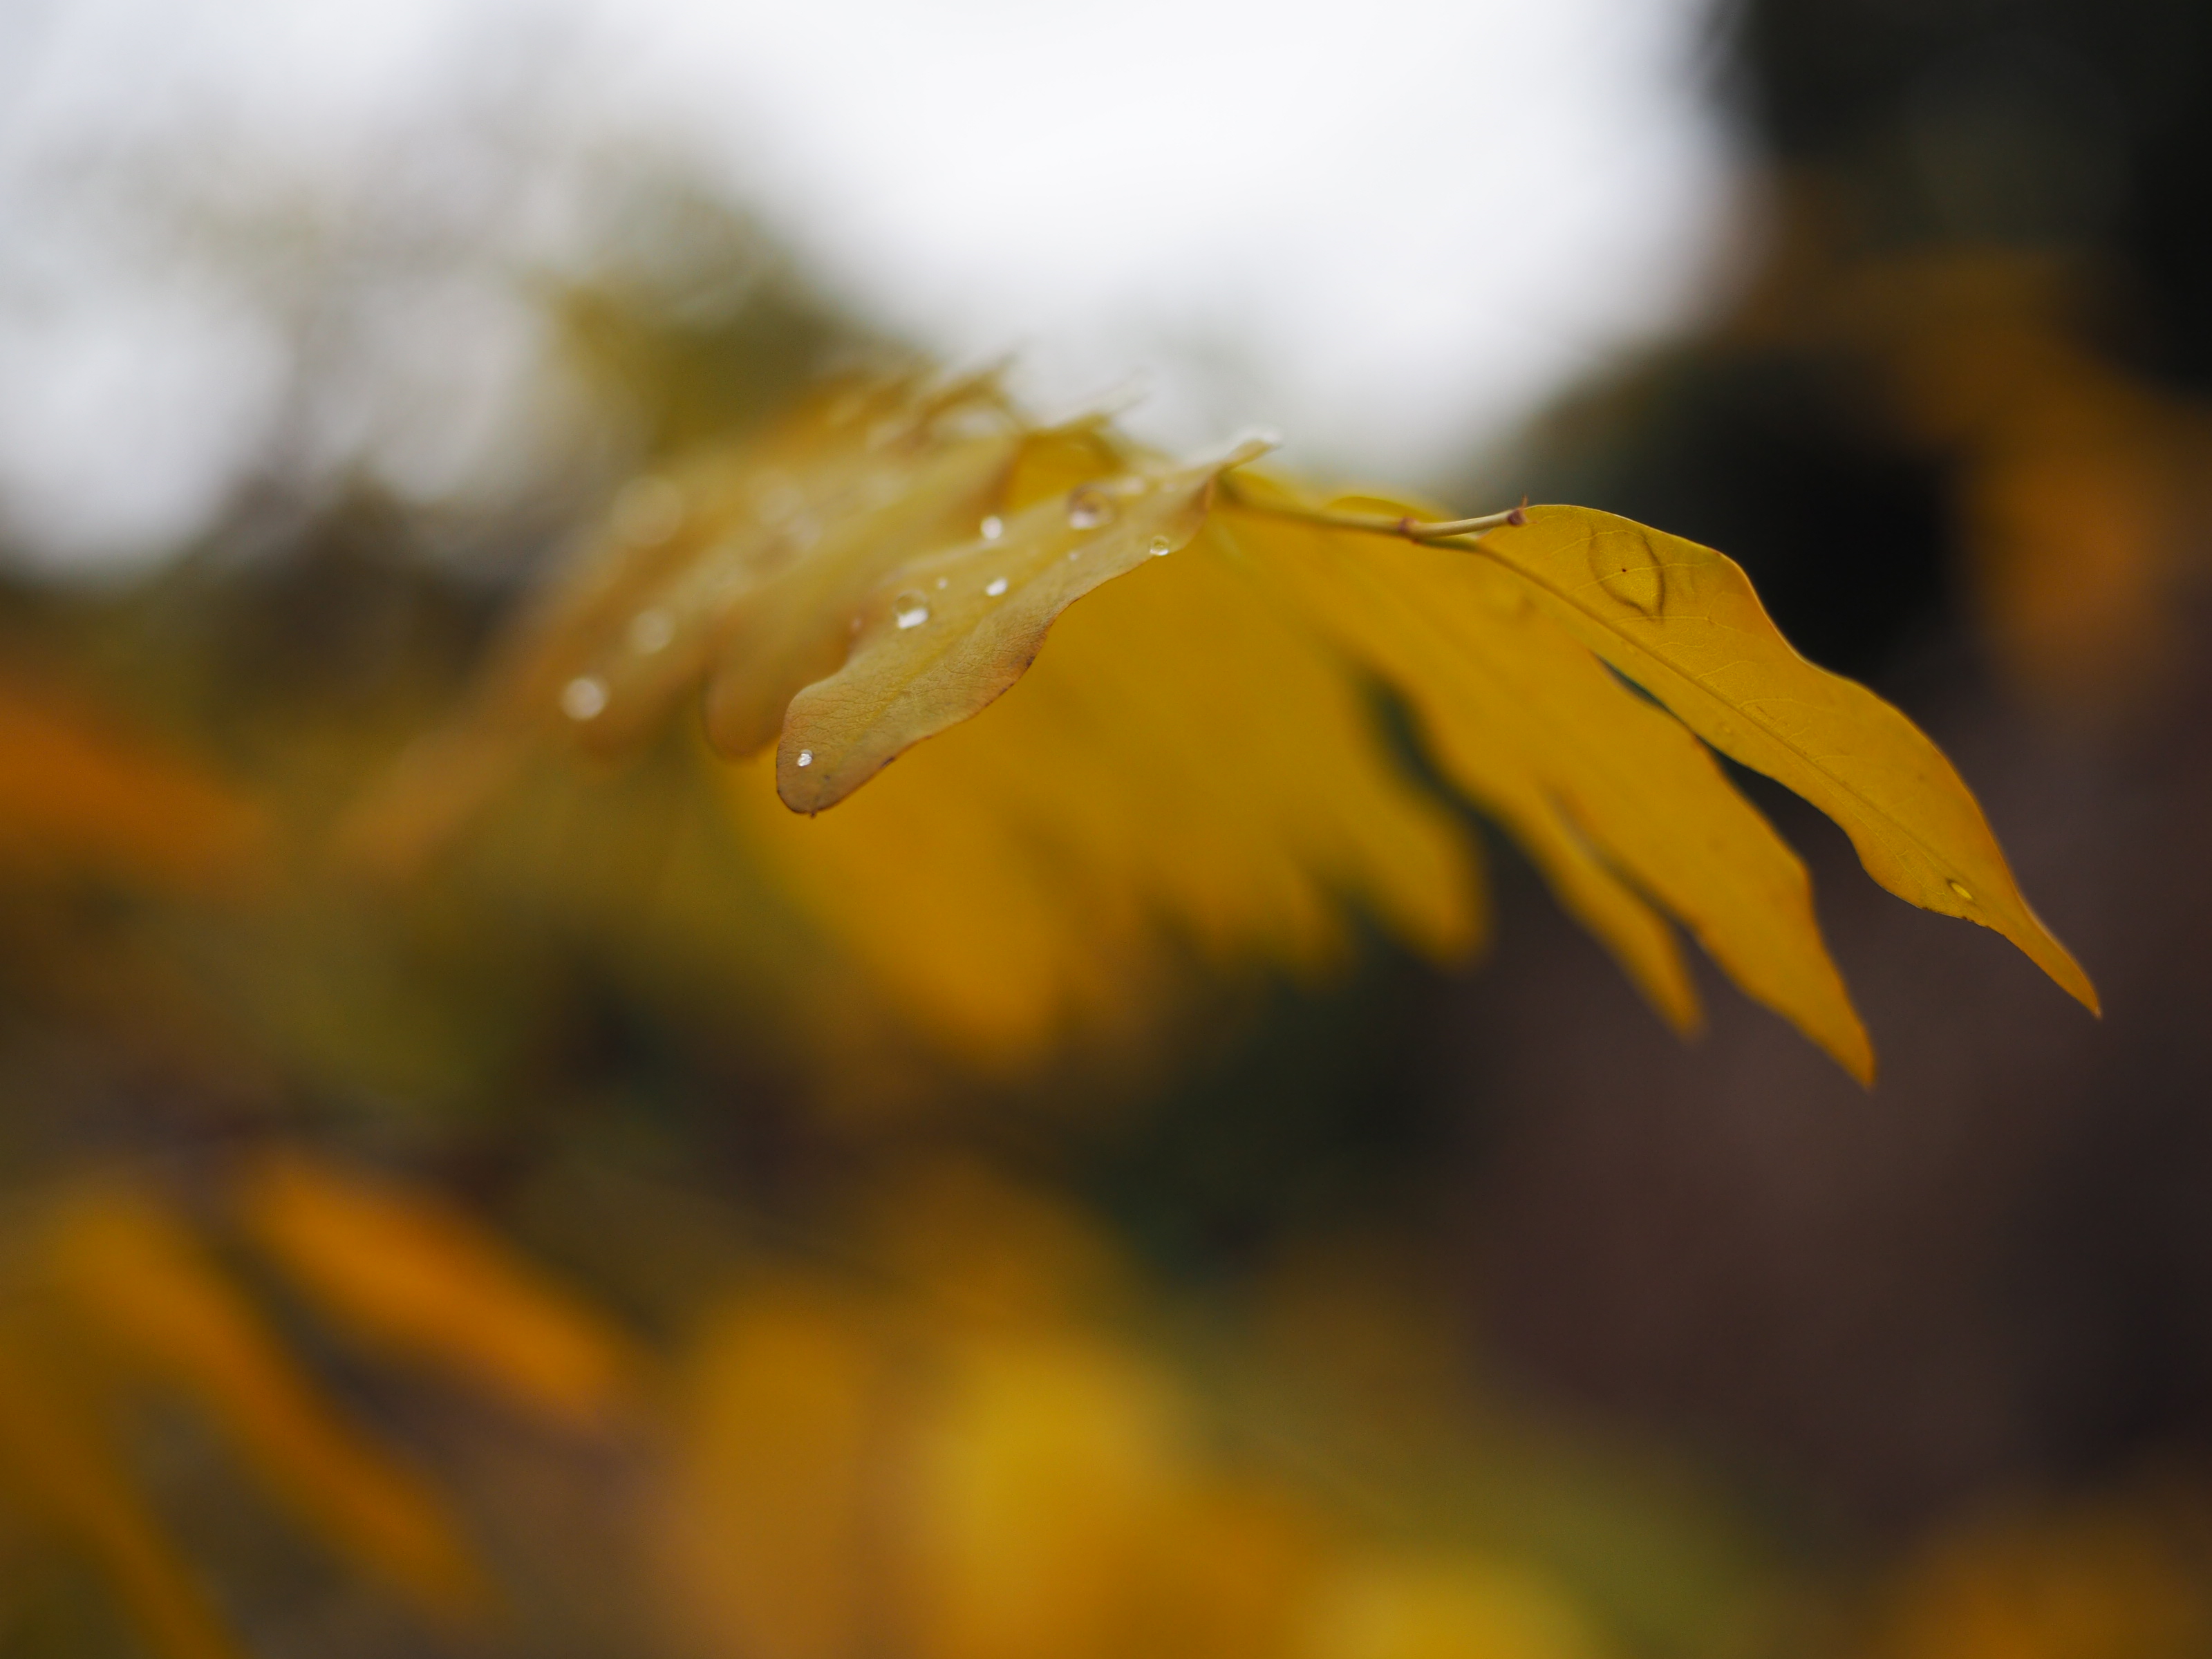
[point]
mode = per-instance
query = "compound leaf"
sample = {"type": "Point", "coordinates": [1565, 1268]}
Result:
{"type": "Point", "coordinates": [1683, 623]}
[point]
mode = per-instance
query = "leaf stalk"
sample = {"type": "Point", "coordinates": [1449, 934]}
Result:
{"type": "Point", "coordinates": [1378, 524]}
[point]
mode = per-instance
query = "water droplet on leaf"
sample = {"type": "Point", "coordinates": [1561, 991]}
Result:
{"type": "Point", "coordinates": [944, 581]}
{"type": "Point", "coordinates": [993, 527]}
{"type": "Point", "coordinates": [1642, 585]}
{"type": "Point", "coordinates": [584, 698]}
{"type": "Point", "coordinates": [995, 586]}
{"type": "Point", "coordinates": [1963, 891]}
{"type": "Point", "coordinates": [1089, 508]}
{"type": "Point", "coordinates": [909, 609]}
{"type": "Point", "coordinates": [1162, 547]}
{"type": "Point", "coordinates": [807, 757]}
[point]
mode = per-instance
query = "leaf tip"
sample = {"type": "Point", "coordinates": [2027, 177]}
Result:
{"type": "Point", "coordinates": [1859, 1061]}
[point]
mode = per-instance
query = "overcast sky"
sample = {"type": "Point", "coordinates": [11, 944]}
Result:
{"type": "Point", "coordinates": [1390, 228]}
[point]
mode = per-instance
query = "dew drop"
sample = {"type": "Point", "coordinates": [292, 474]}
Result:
{"type": "Point", "coordinates": [909, 609]}
{"type": "Point", "coordinates": [995, 586]}
{"type": "Point", "coordinates": [807, 757]}
{"type": "Point", "coordinates": [651, 631]}
{"type": "Point", "coordinates": [993, 527]}
{"type": "Point", "coordinates": [1642, 587]}
{"type": "Point", "coordinates": [1963, 891]}
{"type": "Point", "coordinates": [944, 582]}
{"type": "Point", "coordinates": [648, 511]}
{"type": "Point", "coordinates": [1089, 508]}
{"type": "Point", "coordinates": [584, 698]}
{"type": "Point", "coordinates": [1162, 547]}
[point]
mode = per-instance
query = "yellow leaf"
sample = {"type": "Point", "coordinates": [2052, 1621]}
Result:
{"type": "Point", "coordinates": [735, 572]}
{"type": "Point", "coordinates": [133, 1274]}
{"type": "Point", "coordinates": [1683, 623]}
{"type": "Point", "coordinates": [702, 568]}
{"type": "Point", "coordinates": [1444, 1608]}
{"type": "Point", "coordinates": [1043, 1476]}
{"type": "Point", "coordinates": [1195, 754]}
{"type": "Point", "coordinates": [944, 634]}
{"type": "Point", "coordinates": [1615, 801]}
{"type": "Point", "coordinates": [2117, 1573]}
{"type": "Point", "coordinates": [77, 795]}
{"type": "Point", "coordinates": [421, 1280]}
{"type": "Point", "coordinates": [56, 1460]}
{"type": "Point", "coordinates": [1182, 762]}
{"type": "Point", "coordinates": [768, 1539]}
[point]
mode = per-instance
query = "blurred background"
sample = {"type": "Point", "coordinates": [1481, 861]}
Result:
{"type": "Point", "coordinates": [602, 1241]}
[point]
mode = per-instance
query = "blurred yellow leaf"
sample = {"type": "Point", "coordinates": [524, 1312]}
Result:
{"type": "Point", "coordinates": [133, 1274]}
{"type": "Point", "coordinates": [1003, 1564]}
{"type": "Point", "coordinates": [77, 794]}
{"type": "Point", "coordinates": [2081, 486]}
{"type": "Point", "coordinates": [771, 1544]}
{"type": "Point", "coordinates": [55, 1460]}
{"type": "Point", "coordinates": [952, 1448]}
{"type": "Point", "coordinates": [2120, 1576]}
{"type": "Point", "coordinates": [1444, 1609]}
{"type": "Point", "coordinates": [108, 1298]}
{"type": "Point", "coordinates": [420, 1280]}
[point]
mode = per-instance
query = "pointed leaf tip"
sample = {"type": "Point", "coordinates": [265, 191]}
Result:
{"type": "Point", "coordinates": [1683, 622]}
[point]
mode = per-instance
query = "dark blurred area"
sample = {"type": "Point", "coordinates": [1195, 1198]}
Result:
{"type": "Point", "coordinates": [1955, 430]}
{"type": "Point", "coordinates": [588, 1247]}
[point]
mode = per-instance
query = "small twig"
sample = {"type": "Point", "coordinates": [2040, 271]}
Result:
{"type": "Point", "coordinates": [1379, 524]}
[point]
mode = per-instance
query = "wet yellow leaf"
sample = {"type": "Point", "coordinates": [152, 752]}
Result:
{"type": "Point", "coordinates": [733, 574]}
{"type": "Point", "coordinates": [1618, 804]}
{"type": "Point", "coordinates": [1182, 763]}
{"type": "Point", "coordinates": [421, 1280]}
{"type": "Point", "coordinates": [1683, 623]}
{"type": "Point", "coordinates": [735, 566]}
{"type": "Point", "coordinates": [942, 635]}
{"type": "Point", "coordinates": [1193, 754]}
